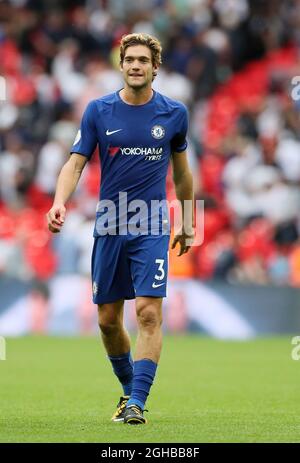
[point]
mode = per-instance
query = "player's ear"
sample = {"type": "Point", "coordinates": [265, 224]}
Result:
{"type": "Point", "coordinates": [155, 71]}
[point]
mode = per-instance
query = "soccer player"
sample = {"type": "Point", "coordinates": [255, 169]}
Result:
{"type": "Point", "coordinates": [138, 132]}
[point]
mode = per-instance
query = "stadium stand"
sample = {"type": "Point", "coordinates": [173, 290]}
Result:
{"type": "Point", "coordinates": [231, 63]}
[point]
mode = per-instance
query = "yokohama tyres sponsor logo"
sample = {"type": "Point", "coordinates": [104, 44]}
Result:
{"type": "Point", "coordinates": [137, 151]}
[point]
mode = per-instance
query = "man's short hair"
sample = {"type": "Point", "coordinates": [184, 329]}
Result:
{"type": "Point", "coordinates": [142, 39]}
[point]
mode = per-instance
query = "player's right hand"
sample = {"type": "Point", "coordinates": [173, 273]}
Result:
{"type": "Point", "coordinates": [56, 217]}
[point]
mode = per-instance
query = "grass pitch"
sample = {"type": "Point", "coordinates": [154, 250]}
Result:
{"type": "Point", "coordinates": [63, 390]}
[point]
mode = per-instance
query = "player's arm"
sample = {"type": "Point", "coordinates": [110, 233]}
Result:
{"type": "Point", "coordinates": [66, 185]}
{"type": "Point", "coordinates": [183, 180]}
{"type": "Point", "coordinates": [83, 147]}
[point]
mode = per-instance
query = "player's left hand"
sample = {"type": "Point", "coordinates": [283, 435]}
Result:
{"type": "Point", "coordinates": [185, 241]}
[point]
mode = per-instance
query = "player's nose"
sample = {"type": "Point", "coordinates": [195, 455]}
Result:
{"type": "Point", "coordinates": [135, 65]}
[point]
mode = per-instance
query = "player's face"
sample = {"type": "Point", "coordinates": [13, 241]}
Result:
{"type": "Point", "coordinates": [137, 67]}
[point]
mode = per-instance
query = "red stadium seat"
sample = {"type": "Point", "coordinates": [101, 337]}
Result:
{"type": "Point", "coordinates": [211, 171]}
{"type": "Point", "coordinates": [39, 255]}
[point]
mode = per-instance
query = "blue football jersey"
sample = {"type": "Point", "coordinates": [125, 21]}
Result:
{"type": "Point", "coordinates": [135, 143]}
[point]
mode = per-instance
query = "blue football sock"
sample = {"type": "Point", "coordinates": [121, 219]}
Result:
{"type": "Point", "coordinates": [143, 376]}
{"type": "Point", "coordinates": [123, 369]}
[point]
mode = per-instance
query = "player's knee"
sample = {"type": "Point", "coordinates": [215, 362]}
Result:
{"type": "Point", "coordinates": [109, 319]}
{"type": "Point", "coordinates": [148, 316]}
{"type": "Point", "coordinates": [108, 327]}
{"type": "Point", "coordinates": [108, 323]}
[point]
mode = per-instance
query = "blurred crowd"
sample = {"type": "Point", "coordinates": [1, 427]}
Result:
{"type": "Point", "coordinates": [230, 61]}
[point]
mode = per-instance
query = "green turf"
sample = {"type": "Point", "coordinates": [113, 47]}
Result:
{"type": "Point", "coordinates": [63, 390]}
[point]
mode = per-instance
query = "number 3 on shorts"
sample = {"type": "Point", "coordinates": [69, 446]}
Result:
{"type": "Point", "coordinates": [161, 275]}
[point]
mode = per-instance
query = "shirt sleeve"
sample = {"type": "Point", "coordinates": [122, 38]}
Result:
{"type": "Point", "coordinates": [86, 139]}
{"type": "Point", "coordinates": [178, 142]}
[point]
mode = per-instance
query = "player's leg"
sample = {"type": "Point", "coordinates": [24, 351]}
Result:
{"type": "Point", "coordinates": [147, 354]}
{"type": "Point", "coordinates": [149, 320]}
{"type": "Point", "coordinates": [113, 333]}
{"type": "Point", "coordinates": [117, 345]}
{"type": "Point", "coordinates": [112, 282]}
{"type": "Point", "coordinates": [149, 267]}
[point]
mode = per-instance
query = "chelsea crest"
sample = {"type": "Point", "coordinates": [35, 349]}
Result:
{"type": "Point", "coordinates": [158, 132]}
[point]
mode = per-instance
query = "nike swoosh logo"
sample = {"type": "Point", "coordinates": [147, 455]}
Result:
{"type": "Point", "coordinates": [108, 132]}
{"type": "Point", "coordinates": [154, 285]}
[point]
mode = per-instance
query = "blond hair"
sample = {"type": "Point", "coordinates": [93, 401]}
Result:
{"type": "Point", "coordinates": [142, 39]}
